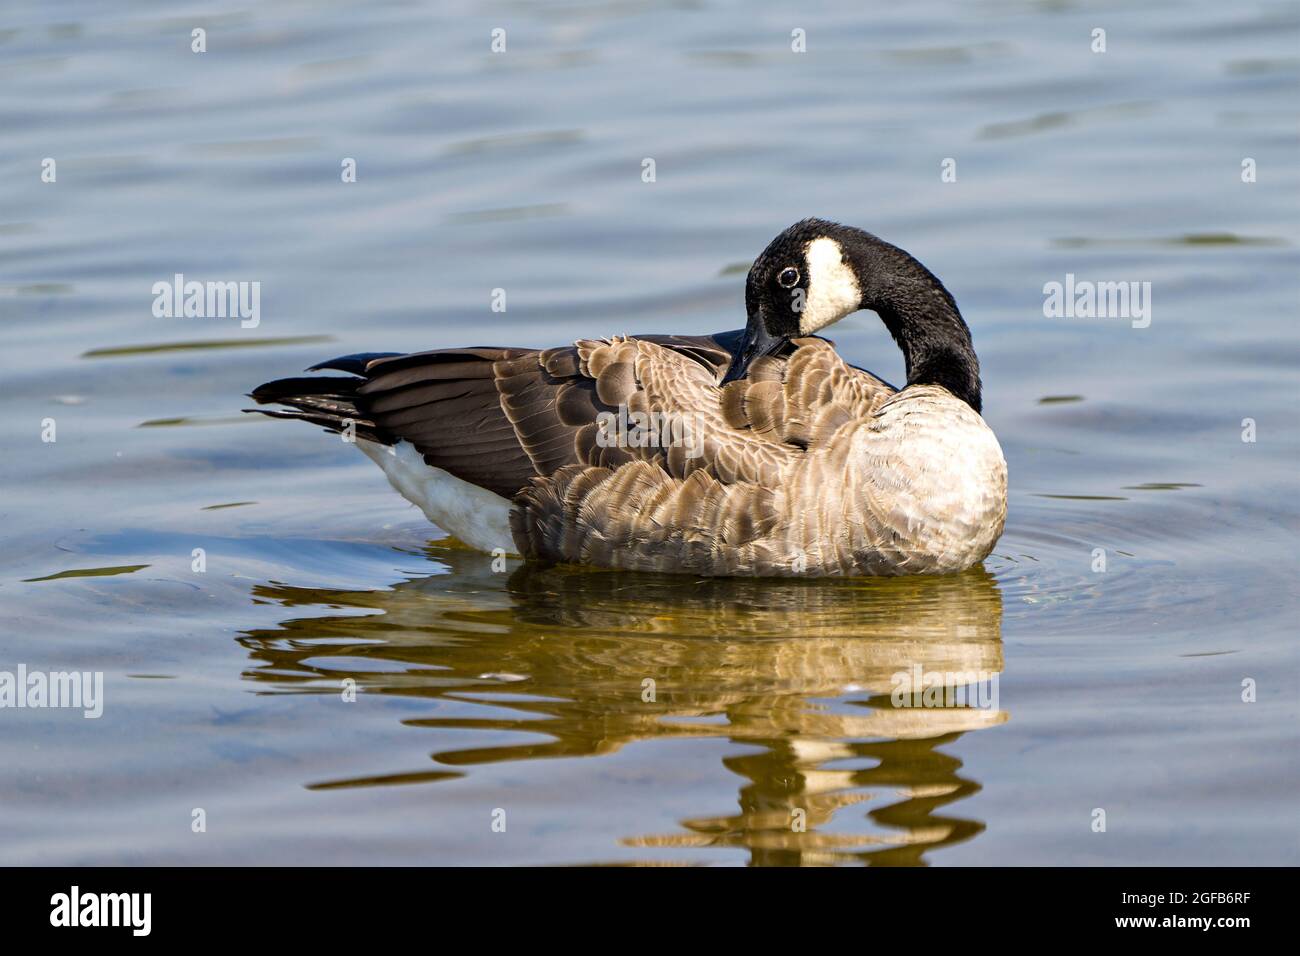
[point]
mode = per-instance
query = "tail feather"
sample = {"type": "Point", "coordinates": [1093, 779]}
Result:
{"type": "Point", "coordinates": [356, 363]}
{"type": "Point", "coordinates": [329, 401]}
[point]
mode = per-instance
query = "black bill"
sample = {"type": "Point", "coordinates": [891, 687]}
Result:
{"type": "Point", "coordinates": [755, 343]}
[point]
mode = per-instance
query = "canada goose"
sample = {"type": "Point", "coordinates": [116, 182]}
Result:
{"type": "Point", "coordinates": [748, 453]}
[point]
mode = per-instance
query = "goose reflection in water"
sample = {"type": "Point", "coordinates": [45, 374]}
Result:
{"type": "Point", "coordinates": [595, 660]}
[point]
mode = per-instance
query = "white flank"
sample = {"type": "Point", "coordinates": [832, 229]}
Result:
{"type": "Point", "coordinates": [832, 286]}
{"type": "Point", "coordinates": [478, 517]}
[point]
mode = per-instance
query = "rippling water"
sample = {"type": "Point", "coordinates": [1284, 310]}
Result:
{"type": "Point", "coordinates": [527, 691]}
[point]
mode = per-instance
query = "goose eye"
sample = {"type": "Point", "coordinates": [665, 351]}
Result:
{"type": "Point", "coordinates": [789, 277]}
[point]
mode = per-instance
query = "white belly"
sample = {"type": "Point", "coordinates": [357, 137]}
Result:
{"type": "Point", "coordinates": [478, 517]}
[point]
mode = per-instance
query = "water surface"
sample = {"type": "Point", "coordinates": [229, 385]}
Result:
{"type": "Point", "coordinates": [525, 690]}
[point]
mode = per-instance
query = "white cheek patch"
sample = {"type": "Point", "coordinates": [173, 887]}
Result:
{"type": "Point", "coordinates": [832, 287]}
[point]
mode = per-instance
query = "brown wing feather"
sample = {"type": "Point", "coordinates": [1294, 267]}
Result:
{"type": "Point", "coordinates": [523, 423]}
{"type": "Point", "coordinates": [803, 399]}
{"type": "Point", "coordinates": [725, 510]}
{"type": "Point", "coordinates": [447, 404]}
{"type": "Point", "coordinates": [497, 417]}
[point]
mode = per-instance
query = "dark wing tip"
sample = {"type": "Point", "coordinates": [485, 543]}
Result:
{"type": "Point", "coordinates": [293, 388]}
{"type": "Point", "coordinates": [355, 363]}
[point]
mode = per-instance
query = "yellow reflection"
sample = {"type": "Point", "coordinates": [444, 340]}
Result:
{"type": "Point", "coordinates": [583, 662]}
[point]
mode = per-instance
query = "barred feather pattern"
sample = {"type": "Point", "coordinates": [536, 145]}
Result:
{"type": "Point", "coordinates": [809, 468]}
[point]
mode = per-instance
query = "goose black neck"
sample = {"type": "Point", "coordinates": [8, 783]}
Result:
{"type": "Point", "coordinates": [924, 320]}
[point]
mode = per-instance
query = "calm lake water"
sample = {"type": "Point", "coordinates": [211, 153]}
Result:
{"type": "Point", "coordinates": [1119, 690]}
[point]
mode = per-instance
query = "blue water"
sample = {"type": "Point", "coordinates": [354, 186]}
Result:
{"type": "Point", "coordinates": [1120, 690]}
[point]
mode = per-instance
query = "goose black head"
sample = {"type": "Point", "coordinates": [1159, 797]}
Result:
{"type": "Point", "coordinates": [806, 279]}
{"type": "Point", "coordinates": [817, 272]}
